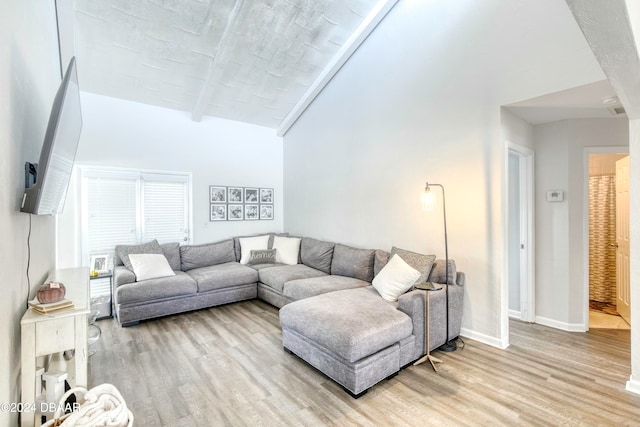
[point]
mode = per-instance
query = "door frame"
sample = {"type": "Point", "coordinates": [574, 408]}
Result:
{"type": "Point", "coordinates": [618, 149]}
{"type": "Point", "coordinates": [526, 170]}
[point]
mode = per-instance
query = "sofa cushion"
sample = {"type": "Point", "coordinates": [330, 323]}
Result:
{"type": "Point", "coordinates": [150, 266]}
{"type": "Point", "coordinates": [276, 277]}
{"type": "Point", "coordinates": [248, 244]}
{"type": "Point", "coordinates": [422, 263]}
{"type": "Point", "coordinates": [288, 249]}
{"type": "Point", "coordinates": [353, 262]}
{"type": "Point", "coordinates": [197, 256]}
{"type": "Point", "coordinates": [381, 258]}
{"type": "Point", "coordinates": [172, 252]}
{"type": "Point", "coordinates": [317, 254]}
{"type": "Point", "coordinates": [352, 323]}
{"type": "Point", "coordinates": [223, 276]}
{"type": "Point", "coordinates": [123, 251]}
{"type": "Point", "coordinates": [154, 289]}
{"type": "Point", "coordinates": [305, 288]}
{"type": "Point", "coordinates": [438, 273]}
{"type": "Point", "coordinates": [396, 278]}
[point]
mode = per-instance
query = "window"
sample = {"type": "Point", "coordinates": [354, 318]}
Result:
{"type": "Point", "coordinates": [124, 207]}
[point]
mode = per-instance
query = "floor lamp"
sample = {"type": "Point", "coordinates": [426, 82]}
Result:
{"type": "Point", "coordinates": [428, 205]}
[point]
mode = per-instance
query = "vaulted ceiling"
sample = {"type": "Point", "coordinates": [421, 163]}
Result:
{"type": "Point", "coordinates": [253, 61]}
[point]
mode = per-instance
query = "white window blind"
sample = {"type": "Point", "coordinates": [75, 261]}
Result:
{"type": "Point", "coordinates": [164, 209]}
{"type": "Point", "coordinates": [123, 208]}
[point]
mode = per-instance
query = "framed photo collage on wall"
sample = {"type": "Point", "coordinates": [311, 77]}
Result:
{"type": "Point", "coordinates": [240, 203]}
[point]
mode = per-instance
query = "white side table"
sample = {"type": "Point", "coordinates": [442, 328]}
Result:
{"type": "Point", "coordinates": [43, 334]}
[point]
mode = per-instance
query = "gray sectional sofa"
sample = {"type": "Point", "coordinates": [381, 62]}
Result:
{"type": "Point", "coordinates": [331, 315]}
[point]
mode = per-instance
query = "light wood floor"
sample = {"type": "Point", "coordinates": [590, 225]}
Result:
{"type": "Point", "coordinates": [226, 366]}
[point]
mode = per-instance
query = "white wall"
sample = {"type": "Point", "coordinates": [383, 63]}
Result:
{"type": "Point", "coordinates": [420, 100]}
{"type": "Point", "coordinates": [516, 130]}
{"type": "Point", "coordinates": [560, 242]}
{"type": "Point", "coordinates": [29, 78]}
{"type": "Point", "coordinates": [126, 134]}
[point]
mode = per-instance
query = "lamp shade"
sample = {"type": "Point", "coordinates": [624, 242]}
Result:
{"type": "Point", "coordinates": [428, 203]}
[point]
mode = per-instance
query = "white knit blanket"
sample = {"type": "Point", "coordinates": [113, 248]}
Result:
{"type": "Point", "coordinates": [103, 406]}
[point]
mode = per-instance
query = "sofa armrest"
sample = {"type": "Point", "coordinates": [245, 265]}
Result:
{"type": "Point", "coordinates": [122, 275]}
{"type": "Point", "coordinates": [413, 305]}
{"type": "Point", "coordinates": [460, 278]}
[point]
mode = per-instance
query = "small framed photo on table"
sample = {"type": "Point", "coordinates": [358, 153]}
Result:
{"type": "Point", "coordinates": [100, 263]}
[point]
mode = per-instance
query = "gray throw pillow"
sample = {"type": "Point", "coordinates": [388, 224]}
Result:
{"type": "Point", "coordinates": [172, 254]}
{"type": "Point", "coordinates": [123, 251]}
{"type": "Point", "coordinates": [353, 262]}
{"type": "Point", "coordinates": [381, 259]}
{"type": "Point", "coordinates": [196, 256]}
{"type": "Point", "coordinates": [422, 263]}
{"type": "Point", "coordinates": [262, 256]}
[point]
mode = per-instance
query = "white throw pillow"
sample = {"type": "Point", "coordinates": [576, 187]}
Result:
{"type": "Point", "coordinates": [248, 244]}
{"type": "Point", "coordinates": [288, 249]}
{"type": "Point", "coordinates": [395, 279]}
{"type": "Point", "coordinates": [150, 266]}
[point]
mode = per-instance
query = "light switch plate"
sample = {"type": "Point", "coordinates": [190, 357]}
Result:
{"type": "Point", "coordinates": [555, 196]}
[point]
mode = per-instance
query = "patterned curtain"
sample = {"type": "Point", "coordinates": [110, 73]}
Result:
{"type": "Point", "coordinates": [602, 233]}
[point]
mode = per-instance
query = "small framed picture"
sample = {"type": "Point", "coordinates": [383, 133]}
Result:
{"type": "Point", "coordinates": [251, 212]}
{"type": "Point", "coordinates": [236, 212]}
{"type": "Point", "coordinates": [217, 194]}
{"type": "Point", "coordinates": [218, 212]}
{"type": "Point", "coordinates": [266, 195]}
{"type": "Point", "coordinates": [235, 195]}
{"type": "Point", "coordinates": [100, 263]}
{"type": "Point", "coordinates": [266, 211]}
{"type": "Point", "coordinates": [251, 195]}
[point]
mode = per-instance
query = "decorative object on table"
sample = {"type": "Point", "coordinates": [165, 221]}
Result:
{"type": "Point", "coordinates": [53, 307]}
{"type": "Point", "coordinates": [218, 212]}
{"type": "Point", "coordinates": [236, 212]}
{"type": "Point", "coordinates": [51, 292]}
{"type": "Point", "coordinates": [100, 263]}
{"type": "Point", "coordinates": [251, 195]}
{"type": "Point", "coordinates": [428, 205]}
{"type": "Point", "coordinates": [266, 211]}
{"type": "Point", "coordinates": [236, 195]}
{"type": "Point", "coordinates": [217, 194]}
{"type": "Point", "coordinates": [266, 195]}
{"type": "Point", "coordinates": [251, 212]}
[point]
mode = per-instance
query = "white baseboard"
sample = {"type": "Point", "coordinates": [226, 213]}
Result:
{"type": "Point", "coordinates": [485, 339]}
{"type": "Point", "coordinates": [515, 314]}
{"type": "Point", "coordinates": [569, 327]}
{"type": "Point", "coordinates": [633, 385]}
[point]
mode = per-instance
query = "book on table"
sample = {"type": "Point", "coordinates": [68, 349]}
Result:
{"type": "Point", "coordinates": [63, 304]}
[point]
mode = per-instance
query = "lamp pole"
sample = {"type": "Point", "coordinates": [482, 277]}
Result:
{"type": "Point", "coordinates": [448, 345]}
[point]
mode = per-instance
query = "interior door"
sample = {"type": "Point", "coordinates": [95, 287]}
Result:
{"type": "Point", "coordinates": [622, 239]}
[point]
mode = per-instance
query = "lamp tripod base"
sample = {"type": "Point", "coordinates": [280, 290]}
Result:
{"type": "Point", "coordinates": [448, 347]}
{"type": "Point", "coordinates": [431, 359]}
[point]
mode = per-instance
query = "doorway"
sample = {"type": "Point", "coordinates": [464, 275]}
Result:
{"type": "Point", "coordinates": [520, 233]}
{"type": "Point", "coordinates": [608, 225]}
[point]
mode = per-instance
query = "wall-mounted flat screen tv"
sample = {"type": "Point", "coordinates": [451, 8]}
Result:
{"type": "Point", "coordinates": [52, 174]}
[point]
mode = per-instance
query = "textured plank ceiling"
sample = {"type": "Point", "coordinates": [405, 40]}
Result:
{"type": "Point", "coordinates": [244, 60]}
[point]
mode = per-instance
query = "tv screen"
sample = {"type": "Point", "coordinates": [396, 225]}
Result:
{"type": "Point", "coordinates": [53, 172]}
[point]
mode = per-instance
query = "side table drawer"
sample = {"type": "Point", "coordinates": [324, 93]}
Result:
{"type": "Point", "coordinates": [55, 335]}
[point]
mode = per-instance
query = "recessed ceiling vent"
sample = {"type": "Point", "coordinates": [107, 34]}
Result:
{"type": "Point", "coordinates": [617, 111]}
{"type": "Point", "coordinates": [614, 106]}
